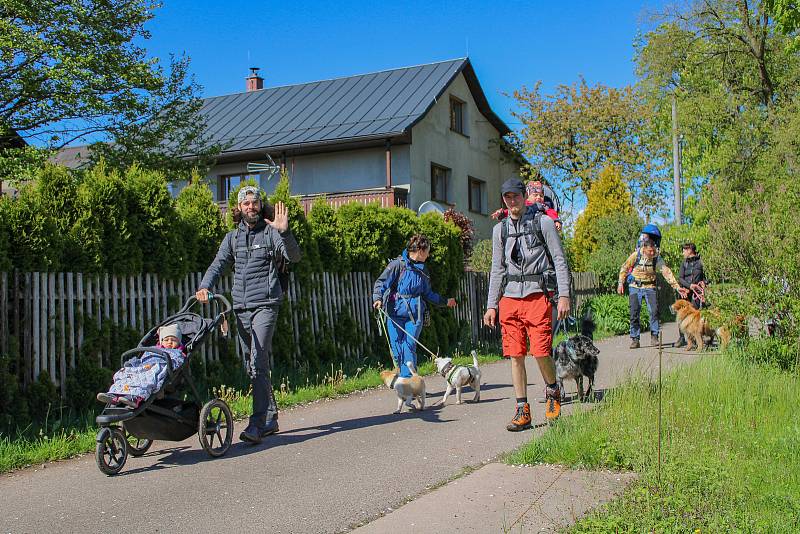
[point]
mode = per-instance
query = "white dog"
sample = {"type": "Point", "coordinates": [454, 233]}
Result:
{"type": "Point", "coordinates": [458, 376]}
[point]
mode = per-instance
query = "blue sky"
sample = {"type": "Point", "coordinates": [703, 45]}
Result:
{"type": "Point", "coordinates": [511, 44]}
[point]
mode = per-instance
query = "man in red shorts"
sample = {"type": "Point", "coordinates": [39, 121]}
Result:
{"type": "Point", "coordinates": [529, 272]}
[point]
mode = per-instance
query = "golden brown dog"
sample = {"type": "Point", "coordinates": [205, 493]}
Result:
{"type": "Point", "coordinates": [692, 324]}
{"type": "Point", "coordinates": [407, 389]}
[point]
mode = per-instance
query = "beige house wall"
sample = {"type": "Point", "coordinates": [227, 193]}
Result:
{"type": "Point", "coordinates": [476, 154]}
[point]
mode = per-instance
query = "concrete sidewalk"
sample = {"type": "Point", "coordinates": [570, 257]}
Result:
{"type": "Point", "coordinates": [503, 498]}
{"type": "Point", "coordinates": [335, 465]}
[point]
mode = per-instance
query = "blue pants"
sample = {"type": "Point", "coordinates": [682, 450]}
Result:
{"type": "Point", "coordinates": [635, 299]}
{"type": "Point", "coordinates": [404, 349]}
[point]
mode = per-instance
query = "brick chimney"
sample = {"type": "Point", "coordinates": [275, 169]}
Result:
{"type": "Point", "coordinates": [254, 81]}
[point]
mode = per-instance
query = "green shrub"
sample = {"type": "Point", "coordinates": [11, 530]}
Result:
{"type": "Point", "coordinates": [611, 313]}
{"type": "Point", "coordinates": [103, 225]}
{"type": "Point", "coordinates": [325, 232]}
{"type": "Point", "coordinates": [772, 351]}
{"type": "Point", "coordinates": [38, 243]}
{"type": "Point", "coordinates": [43, 398]}
{"type": "Point", "coordinates": [615, 237]}
{"type": "Point", "coordinates": [481, 259]}
{"type": "Point", "coordinates": [155, 229]}
{"type": "Point", "coordinates": [608, 195]}
{"type": "Point", "coordinates": [86, 380]}
{"type": "Point", "coordinates": [6, 233]}
{"type": "Point", "coordinates": [202, 224]}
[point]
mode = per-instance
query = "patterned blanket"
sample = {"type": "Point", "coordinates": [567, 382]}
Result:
{"type": "Point", "coordinates": [141, 376]}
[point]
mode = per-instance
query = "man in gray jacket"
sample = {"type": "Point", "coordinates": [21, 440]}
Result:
{"type": "Point", "coordinates": [528, 271]}
{"type": "Point", "coordinates": [257, 248]}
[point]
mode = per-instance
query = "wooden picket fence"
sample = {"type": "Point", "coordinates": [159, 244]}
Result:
{"type": "Point", "coordinates": [44, 313]}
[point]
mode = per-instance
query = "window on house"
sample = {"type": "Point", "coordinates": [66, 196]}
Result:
{"type": "Point", "coordinates": [477, 195]}
{"type": "Point", "coordinates": [457, 109]}
{"type": "Point", "coordinates": [440, 176]}
{"type": "Point", "coordinates": [229, 183]}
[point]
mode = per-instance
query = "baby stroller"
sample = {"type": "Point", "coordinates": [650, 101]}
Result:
{"type": "Point", "coordinates": [164, 415]}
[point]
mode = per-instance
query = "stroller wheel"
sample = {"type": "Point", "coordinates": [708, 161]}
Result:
{"type": "Point", "coordinates": [216, 427]}
{"type": "Point", "coordinates": [111, 451]}
{"type": "Point", "coordinates": [137, 446]}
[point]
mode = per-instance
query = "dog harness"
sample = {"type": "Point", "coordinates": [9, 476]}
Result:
{"type": "Point", "coordinates": [450, 369]}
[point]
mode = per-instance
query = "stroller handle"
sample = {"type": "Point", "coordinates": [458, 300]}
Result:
{"type": "Point", "coordinates": [212, 297]}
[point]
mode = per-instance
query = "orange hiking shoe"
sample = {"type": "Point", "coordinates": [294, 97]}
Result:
{"type": "Point", "coordinates": [552, 403]}
{"type": "Point", "coordinates": [522, 419]}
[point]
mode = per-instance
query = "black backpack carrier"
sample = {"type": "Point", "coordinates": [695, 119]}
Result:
{"type": "Point", "coordinates": [533, 239]}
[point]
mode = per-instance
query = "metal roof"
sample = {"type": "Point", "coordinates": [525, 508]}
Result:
{"type": "Point", "coordinates": [382, 104]}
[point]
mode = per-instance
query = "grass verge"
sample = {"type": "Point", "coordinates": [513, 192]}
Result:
{"type": "Point", "coordinates": [67, 443]}
{"type": "Point", "coordinates": [730, 450]}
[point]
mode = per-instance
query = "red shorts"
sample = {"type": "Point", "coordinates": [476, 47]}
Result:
{"type": "Point", "coordinates": [526, 318]}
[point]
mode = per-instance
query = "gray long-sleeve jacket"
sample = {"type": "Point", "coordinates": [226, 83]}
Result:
{"type": "Point", "coordinates": [533, 258]}
{"type": "Point", "coordinates": [255, 273]}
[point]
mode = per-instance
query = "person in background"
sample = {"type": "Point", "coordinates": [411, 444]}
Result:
{"type": "Point", "coordinates": [691, 277]}
{"type": "Point", "coordinates": [639, 270]}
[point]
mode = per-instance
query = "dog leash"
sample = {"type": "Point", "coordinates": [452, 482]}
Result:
{"type": "Point", "coordinates": [382, 328]}
{"type": "Point", "coordinates": [417, 341]}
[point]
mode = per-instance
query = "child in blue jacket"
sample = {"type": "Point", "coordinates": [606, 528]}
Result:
{"type": "Point", "coordinates": [402, 290]}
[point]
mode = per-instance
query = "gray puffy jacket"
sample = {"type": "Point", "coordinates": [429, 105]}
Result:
{"type": "Point", "coordinates": [255, 271]}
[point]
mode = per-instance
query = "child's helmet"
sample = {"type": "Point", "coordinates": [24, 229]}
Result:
{"type": "Point", "coordinates": [652, 231]}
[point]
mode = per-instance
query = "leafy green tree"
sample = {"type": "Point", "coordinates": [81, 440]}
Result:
{"type": "Point", "coordinates": [608, 196]}
{"type": "Point", "coordinates": [786, 14]}
{"type": "Point", "coordinates": [74, 69]}
{"type": "Point", "coordinates": [732, 78]}
{"type": "Point", "coordinates": [576, 132]}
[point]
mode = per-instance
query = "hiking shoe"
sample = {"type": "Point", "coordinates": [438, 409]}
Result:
{"type": "Point", "coordinates": [654, 339]}
{"type": "Point", "coordinates": [251, 434]}
{"type": "Point", "coordinates": [522, 419]}
{"type": "Point", "coordinates": [634, 343]}
{"type": "Point", "coordinates": [680, 343]}
{"type": "Point", "coordinates": [106, 398]}
{"type": "Point", "coordinates": [552, 402]}
{"type": "Point", "coordinates": [270, 428]}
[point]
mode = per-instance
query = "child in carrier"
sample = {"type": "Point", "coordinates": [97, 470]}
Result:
{"type": "Point", "coordinates": [535, 197]}
{"type": "Point", "coordinates": [141, 376]}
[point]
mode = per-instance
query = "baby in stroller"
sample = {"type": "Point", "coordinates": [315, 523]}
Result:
{"type": "Point", "coordinates": [141, 376]}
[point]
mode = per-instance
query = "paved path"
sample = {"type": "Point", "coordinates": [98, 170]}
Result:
{"type": "Point", "coordinates": [335, 465]}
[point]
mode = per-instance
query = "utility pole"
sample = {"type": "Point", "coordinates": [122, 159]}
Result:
{"type": "Point", "coordinates": [676, 162]}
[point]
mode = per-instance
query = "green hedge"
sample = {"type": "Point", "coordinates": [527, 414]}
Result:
{"type": "Point", "coordinates": [101, 220]}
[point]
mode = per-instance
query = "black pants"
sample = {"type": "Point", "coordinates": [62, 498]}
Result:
{"type": "Point", "coordinates": [255, 329]}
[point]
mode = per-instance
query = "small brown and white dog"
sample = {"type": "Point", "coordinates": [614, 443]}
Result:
{"type": "Point", "coordinates": [458, 376]}
{"type": "Point", "coordinates": [407, 389]}
{"type": "Point", "coordinates": [692, 324]}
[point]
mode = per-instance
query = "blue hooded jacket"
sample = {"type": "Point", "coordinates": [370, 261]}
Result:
{"type": "Point", "coordinates": [404, 286]}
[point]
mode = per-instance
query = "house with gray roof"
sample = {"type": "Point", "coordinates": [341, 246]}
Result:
{"type": "Point", "coordinates": [399, 137]}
